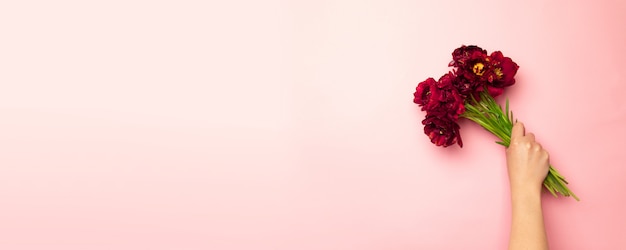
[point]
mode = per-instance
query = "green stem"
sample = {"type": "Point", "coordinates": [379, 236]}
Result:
{"type": "Point", "coordinates": [488, 114]}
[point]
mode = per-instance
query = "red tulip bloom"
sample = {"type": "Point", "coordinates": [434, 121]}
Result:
{"type": "Point", "coordinates": [501, 73]}
{"type": "Point", "coordinates": [423, 92]}
{"type": "Point", "coordinates": [445, 99]}
{"type": "Point", "coordinates": [442, 131]}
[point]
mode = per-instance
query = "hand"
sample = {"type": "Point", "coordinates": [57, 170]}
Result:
{"type": "Point", "coordinates": [527, 161]}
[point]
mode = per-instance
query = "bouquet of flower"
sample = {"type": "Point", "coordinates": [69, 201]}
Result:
{"type": "Point", "coordinates": [468, 91]}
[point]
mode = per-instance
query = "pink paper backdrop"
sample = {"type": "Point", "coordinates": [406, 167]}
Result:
{"type": "Point", "coordinates": [289, 124]}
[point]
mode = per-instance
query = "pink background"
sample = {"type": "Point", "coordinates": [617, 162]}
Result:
{"type": "Point", "coordinates": [290, 124]}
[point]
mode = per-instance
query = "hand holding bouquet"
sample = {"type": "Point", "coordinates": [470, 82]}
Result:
{"type": "Point", "coordinates": [468, 92]}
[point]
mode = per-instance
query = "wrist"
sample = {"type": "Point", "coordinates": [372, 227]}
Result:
{"type": "Point", "coordinates": [526, 188]}
{"type": "Point", "coordinates": [526, 192]}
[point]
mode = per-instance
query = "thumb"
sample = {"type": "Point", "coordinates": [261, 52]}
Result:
{"type": "Point", "coordinates": [517, 131]}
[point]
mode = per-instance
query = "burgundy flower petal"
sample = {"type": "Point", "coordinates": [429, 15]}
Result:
{"type": "Point", "coordinates": [441, 131]}
{"type": "Point", "coordinates": [501, 73]}
{"type": "Point", "coordinates": [462, 56]}
{"type": "Point", "coordinates": [445, 100]}
{"type": "Point", "coordinates": [423, 92]}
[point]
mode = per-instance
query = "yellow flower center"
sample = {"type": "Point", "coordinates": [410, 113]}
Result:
{"type": "Point", "coordinates": [498, 72]}
{"type": "Point", "coordinates": [479, 69]}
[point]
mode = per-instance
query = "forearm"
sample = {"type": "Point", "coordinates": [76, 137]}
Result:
{"type": "Point", "coordinates": [527, 228]}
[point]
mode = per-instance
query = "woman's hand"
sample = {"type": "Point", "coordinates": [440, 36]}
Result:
{"type": "Point", "coordinates": [527, 161]}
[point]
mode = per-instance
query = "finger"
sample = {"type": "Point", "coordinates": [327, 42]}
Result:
{"type": "Point", "coordinates": [517, 131]}
{"type": "Point", "coordinates": [530, 137]}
